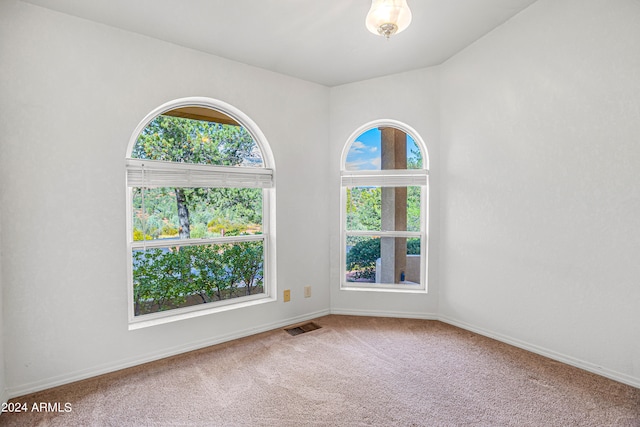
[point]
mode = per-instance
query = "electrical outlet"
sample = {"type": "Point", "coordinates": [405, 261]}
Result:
{"type": "Point", "coordinates": [287, 295]}
{"type": "Point", "coordinates": [307, 291]}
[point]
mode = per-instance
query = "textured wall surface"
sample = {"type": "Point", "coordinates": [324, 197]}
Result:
{"type": "Point", "coordinates": [541, 198]}
{"type": "Point", "coordinates": [3, 382]}
{"type": "Point", "coordinates": [72, 93]}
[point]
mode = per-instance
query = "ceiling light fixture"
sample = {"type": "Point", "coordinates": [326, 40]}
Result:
{"type": "Point", "coordinates": [388, 17]}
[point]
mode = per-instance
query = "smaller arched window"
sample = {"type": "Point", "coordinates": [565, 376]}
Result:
{"type": "Point", "coordinates": [384, 198]}
{"type": "Point", "coordinates": [200, 181]}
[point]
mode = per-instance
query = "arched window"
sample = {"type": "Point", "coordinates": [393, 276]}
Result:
{"type": "Point", "coordinates": [199, 229]}
{"type": "Point", "coordinates": [384, 202]}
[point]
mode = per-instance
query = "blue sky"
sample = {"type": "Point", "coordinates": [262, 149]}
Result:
{"type": "Point", "coordinates": [364, 153]}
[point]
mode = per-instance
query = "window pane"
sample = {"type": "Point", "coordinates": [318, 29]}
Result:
{"type": "Point", "coordinates": [174, 277]}
{"type": "Point", "coordinates": [388, 148]}
{"type": "Point", "coordinates": [214, 140]}
{"type": "Point", "coordinates": [181, 213]}
{"type": "Point", "coordinates": [383, 208]}
{"type": "Point", "coordinates": [389, 260]}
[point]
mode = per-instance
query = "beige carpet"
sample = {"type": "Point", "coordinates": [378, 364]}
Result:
{"type": "Point", "coordinates": [354, 371]}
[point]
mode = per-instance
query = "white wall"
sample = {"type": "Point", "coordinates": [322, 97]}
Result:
{"type": "Point", "coordinates": [412, 98]}
{"type": "Point", "coordinates": [540, 219]}
{"type": "Point", "coordinates": [72, 93]}
{"type": "Point", "coordinates": [3, 383]}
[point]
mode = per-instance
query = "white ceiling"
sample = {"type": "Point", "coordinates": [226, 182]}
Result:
{"type": "Point", "coordinates": [323, 41]}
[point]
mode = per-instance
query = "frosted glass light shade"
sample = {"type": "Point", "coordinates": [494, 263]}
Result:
{"type": "Point", "coordinates": [388, 17]}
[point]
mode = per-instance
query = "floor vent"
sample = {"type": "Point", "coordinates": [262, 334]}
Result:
{"type": "Point", "coordinates": [307, 327]}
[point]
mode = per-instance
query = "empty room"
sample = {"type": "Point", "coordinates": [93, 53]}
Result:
{"type": "Point", "coordinates": [338, 212]}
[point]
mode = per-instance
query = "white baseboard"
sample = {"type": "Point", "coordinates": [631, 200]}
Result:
{"type": "Point", "coordinates": [172, 351]}
{"type": "Point", "coordinates": [587, 366]}
{"type": "Point", "coordinates": [150, 357]}
{"type": "Point", "coordinates": [375, 313]}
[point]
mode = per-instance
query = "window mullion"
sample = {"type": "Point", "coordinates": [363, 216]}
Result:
{"type": "Point", "coordinates": [166, 243]}
{"type": "Point", "coordinates": [384, 233]}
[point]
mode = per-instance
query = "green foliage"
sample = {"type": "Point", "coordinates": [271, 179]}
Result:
{"type": "Point", "coordinates": [169, 230]}
{"type": "Point", "coordinates": [239, 205]}
{"type": "Point", "coordinates": [158, 279]}
{"type": "Point", "coordinates": [414, 159]}
{"type": "Point", "coordinates": [175, 139]}
{"type": "Point", "coordinates": [198, 231]}
{"type": "Point", "coordinates": [245, 261]}
{"type": "Point", "coordinates": [413, 246]}
{"type": "Point", "coordinates": [137, 235]}
{"type": "Point", "coordinates": [181, 276]}
{"type": "Point", "coordinates": [239, 209]}
{"type": "Point", "coordinates": [223, 226]}
{"type": "Point", "coordinates": [364, 207]}
{"type": "Point", "coordinates": [413, 208]}
{"type": "Point", "coordinates": [361, 258]}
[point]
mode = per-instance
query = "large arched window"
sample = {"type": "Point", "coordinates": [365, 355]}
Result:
{"type": "Point", "coordinates": [199, 229]}
{"type": "Point", "coordinates": [384, 203]}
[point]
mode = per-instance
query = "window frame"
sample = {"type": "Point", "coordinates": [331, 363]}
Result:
{"type": "Point", "coordinates": [240, 174]}
{"type": "Point", "coordinates": [386, 178]}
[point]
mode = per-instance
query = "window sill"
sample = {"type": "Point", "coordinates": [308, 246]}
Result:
{"type": "Point", "coordinates": [161, 318]}
{"type": "Point", "coordinates": [400, 288]}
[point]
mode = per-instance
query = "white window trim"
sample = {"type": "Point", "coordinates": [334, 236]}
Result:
{"type": "Point", "coordinates": [197, 175]}
{"type": "Point", "coordinates": [386, 178]}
